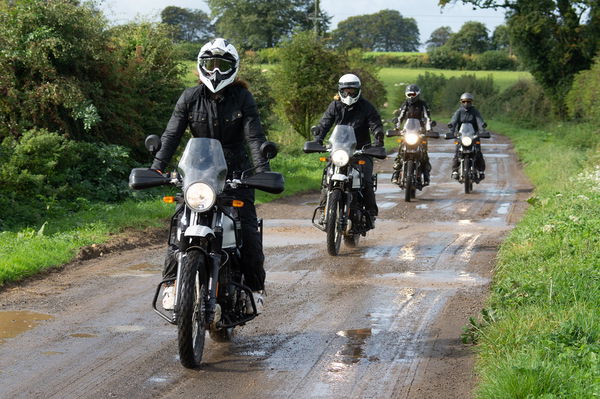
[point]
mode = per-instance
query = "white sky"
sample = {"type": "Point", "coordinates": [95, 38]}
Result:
{"type": "Point", "coordinates": [427, 13]}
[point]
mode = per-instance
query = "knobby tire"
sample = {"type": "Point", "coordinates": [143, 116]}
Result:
{"type": "Point", "coordinates": [333, 229]}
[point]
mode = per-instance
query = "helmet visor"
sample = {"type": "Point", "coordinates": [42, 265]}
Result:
{"type": "Point", "coordinates": [216, 64]}
{"type": "Point", "coordinates": [411, 94]}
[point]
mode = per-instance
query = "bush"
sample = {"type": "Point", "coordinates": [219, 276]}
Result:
{"type": "Point", "coordinates": [495, 60]}
{"type": "Point", "coordinates": [260, 87]}
{"type": "Point", "coordinates": [583, 100]}
{"type": "Point", "coordinates": [187, 51]}
{"type": "Point", "coordinates": [524, 102]}
{"type": "Point", "coordinates": [43, 169]}
{"type": "Point", "coordinates": [443, 58]}
{"type": "Point", "coordinates": [268, 55]}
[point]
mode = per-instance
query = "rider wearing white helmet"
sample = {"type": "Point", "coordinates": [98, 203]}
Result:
{"type": "Point", "coordinates": [221, 107]}
{"type": "Point", "coordinates": [350, 108]}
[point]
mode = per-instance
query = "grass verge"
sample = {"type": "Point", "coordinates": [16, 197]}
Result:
{"type": "Point", "coordinates": [540, 337]}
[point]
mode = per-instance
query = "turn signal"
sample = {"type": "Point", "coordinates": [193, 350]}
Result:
{"type": "Point", "coordinates": [398, 140]}
{"type": "Point", "coordinates": [362, 162]}
{"type": "Point", "coordinates": [478, 142]}
{"type": "Point", "coordinates": [237, 203]}
{"type": "Point", "coordinates": [169, 199]}
{"type": "Point", "coordinates": [323, 159]}
{"type": "Point", "coordinates": [456, 142]}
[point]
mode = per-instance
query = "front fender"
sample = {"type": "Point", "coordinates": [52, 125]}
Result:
{"type": "Point", "coordinates": [199, 231]}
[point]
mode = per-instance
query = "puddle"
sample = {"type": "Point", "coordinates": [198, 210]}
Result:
{"type": "Point", "coordinates": [353, 350]}
{"type": "Point", "coordinates": [82, 335]}
{"type": "Point", "coordinates": [158, 380]}
{"type": "Point", "coordinates": [422, 206]}
{"type": "Point", "coordinates": [440, 155]}
{"type": "Point", "coordinates": [127, 329]}
{"type": "Point", "coordinates": [145, 268]}
{"type": "Point", "coordinates": [503, 209]}
{"type": "Point", "coordinates": [13, 323]}
{"type": "Point", "coordinates": [387, 189]}
{"type": "Point", "coordinates": [383, 176]}
{"type": "Point", "coordinates": [434, 278]}
{"type": "Point", "coordinates": [387, 205]}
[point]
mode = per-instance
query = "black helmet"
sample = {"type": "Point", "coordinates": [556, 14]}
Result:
{"type": "Point", "coordinates": [412, 93]}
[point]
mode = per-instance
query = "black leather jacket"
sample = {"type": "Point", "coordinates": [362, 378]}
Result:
{"type": "Point", "coordinates": [417, 109]}
{"type": "Point", "coordinates": [361, 115]}
{"type": "Point", "coordinates": [229, 116]}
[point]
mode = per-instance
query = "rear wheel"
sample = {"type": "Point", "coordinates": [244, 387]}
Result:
{"type": "Point", "coordinates": [191, 315]}
{"type": "Point", "coordinates": [408, 181]}
{"type": "Point", "coordinates": [333, 226]}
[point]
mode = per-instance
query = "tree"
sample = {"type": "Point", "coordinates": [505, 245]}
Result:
{"type": "Point", "coordinates": [501, 38]}
{"type": "Point", "coordinates": [188, 25]}
{"type": "Point", "coordinates": [554, 39]}
{"type": "Point", "coordinates": [386, 30]}
{"type": "Point", "coordinates": [256, 24]}
{"type": "Point", "coordinates": [439, 37]}
{"type": "Point", "coordinates": [472, 38]}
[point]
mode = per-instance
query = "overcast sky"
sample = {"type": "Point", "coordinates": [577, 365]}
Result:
{"type": "Point", "coordinates": [427, 13]}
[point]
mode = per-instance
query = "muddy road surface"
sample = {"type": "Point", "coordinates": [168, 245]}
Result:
{"type": "Point", "coordinates": [382, 320]}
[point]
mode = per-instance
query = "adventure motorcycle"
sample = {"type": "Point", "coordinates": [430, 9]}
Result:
{"type": "Point", "coordinates": [210, 293]}
{"type": "Point", "coordinates": [344, 214]}
{"type": "Point", "coordinates": [413, 146]}
{"type": "Point", "coordinates": [468, 142]}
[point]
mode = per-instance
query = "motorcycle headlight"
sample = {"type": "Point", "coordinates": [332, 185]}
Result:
{"type": "Point", "coordinates": [411, 138]}
{"type": "Point", "coordinates": [466, 141]}
{"type": "Point", "coordinates": [340, 157]}
{"type": "Point", "coordinates": [200, 197]}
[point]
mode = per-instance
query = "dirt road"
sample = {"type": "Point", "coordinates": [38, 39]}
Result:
{"type": "Point", "coordinates": [382, 320]}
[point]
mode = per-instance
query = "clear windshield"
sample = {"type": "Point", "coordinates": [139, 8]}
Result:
{"type": "Point", "coordinates": [203, 161]}
{"type": "Point", "coordinates": [343, 138]}
{"type": "Point", "coordinates": [466, 129]}
{"type": "Point", "coordinates": [412, 125]}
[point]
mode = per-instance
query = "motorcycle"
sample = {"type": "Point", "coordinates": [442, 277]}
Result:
{"type": "Point", "coordinates": [413, 142]}
{"type": "Point", "coordinates": [210, 293]}
{"type": "Point", "coordinates": [344, 214]}
{"type": "Point", "coordinates": [468, 141]}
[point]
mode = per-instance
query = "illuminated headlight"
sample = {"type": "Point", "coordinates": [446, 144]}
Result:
{"type": "Point", "coordinates": [466, 141]}
{"type": "Point", "coordinates": [411, 138]}
{"type": "Point", "coordinates": [340, 157]}
{"type": "Point", "coordinates": [200, 197]}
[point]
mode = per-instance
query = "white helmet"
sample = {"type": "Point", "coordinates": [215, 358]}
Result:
{"type": "Point", "coordinates": [218, 63]}
{"type": "Point", "coordinates": [349, 81]}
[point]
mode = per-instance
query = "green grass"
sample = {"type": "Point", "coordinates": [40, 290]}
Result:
{"type": "Point", "coordinates": [542, 338]}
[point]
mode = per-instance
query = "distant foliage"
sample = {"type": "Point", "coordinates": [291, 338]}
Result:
{"type": "Point", "coordinates": [305, 81]}
{"type": "Point", "coordinates": [472, 38]}
{"type": "Point", "coordinates": [583, 100]}
{"type": "Point", "coordinates": [260, 87]}
{"type": "Point", "coordinates": [445, 58]}
{"type": "Point", "coordinates": [443, 94]}
{"type": "Point", "coordinates": [495, 60]}
{"type": "Point", "coordinates": [188, 25]}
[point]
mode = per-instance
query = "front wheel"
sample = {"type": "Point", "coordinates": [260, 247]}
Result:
{"type": "Point", "coordinates": [333, 226]}
{"type": "Point", "coordinates": [467, 177]}
{"type": "Point", "coordinates": [191, 315]}
{"type": "Point", "coordinates": [408, 180]}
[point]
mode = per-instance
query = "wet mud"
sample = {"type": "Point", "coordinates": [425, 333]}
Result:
{"type": "Point", "coordinates": [381, 320]}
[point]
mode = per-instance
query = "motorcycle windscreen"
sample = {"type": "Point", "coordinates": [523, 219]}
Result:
{"type": "Point", "coordinates": [343, 138]}
{"type": "Point", "coordinates": [466, 129]}
{"type": "Point", "coordinates": [412, 125]}
{"type": "Point", "coordinates": [203, 161]}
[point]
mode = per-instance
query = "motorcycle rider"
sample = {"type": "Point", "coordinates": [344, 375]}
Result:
{"type": "Point", "coordinates": [467, 113]}
{"type": "Point", "coordinates": [221, 107]}
{"type": "Point", "coordinates": [350, 108]}
{"type": "Point", "coordinates": [413, 107]}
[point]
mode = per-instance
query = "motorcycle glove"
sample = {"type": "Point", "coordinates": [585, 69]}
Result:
{"type": "Point", "coordinates": [379, 139]}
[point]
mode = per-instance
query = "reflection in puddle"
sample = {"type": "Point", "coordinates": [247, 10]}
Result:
{"type": "Point", "coordinates": [387, 205]}
{"type": "Point", "coordinates": [145, 268]}
{"type": "Point", "coordinates": [503, 209]}
{"type": "Point", "coordinates": [408, 252]}
{"type": "Point", "coordinates": [465, 221]}
{"type": "Point", "coordinates": [13, 323]}
{"type": "Point", "coordinates": [433, 278]}
{"type": "Point", "coordinates": [353, 350]}
{"type": "Point", "coordinates": [82, 335]}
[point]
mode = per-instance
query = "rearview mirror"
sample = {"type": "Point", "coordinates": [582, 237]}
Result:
{"type": "Point", "coordinates": [268, 149]}
{"type": "Point", "coordinates": [153, 143]}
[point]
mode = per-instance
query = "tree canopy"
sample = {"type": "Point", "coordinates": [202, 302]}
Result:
{"type": "Point", "coordinates": [385, 30]}
{"type": "Point", "coordinates": [439, 37]}
{"type": "Point", "coordinates": [472, 38]}
{"type": "Point", "coordinates": [256, 24]}
{"type": "Point", "coordinates": [554, 39]}
{"type": "Point", "coordinates": [188, 25]}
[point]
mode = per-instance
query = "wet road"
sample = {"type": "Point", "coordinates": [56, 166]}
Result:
{"type": "Point", "coordinates": [381, 320]}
